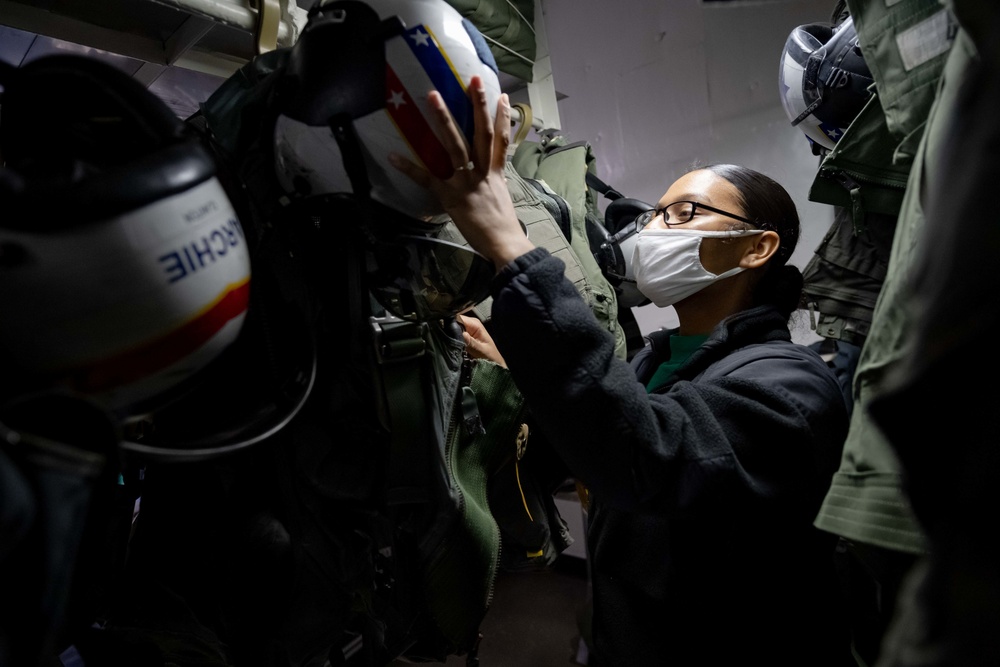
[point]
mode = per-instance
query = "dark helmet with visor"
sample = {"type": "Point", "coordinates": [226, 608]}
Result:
{"type": "Point", "coordinates": [824, 81]}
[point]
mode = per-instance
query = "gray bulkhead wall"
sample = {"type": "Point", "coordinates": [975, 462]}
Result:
{"type": "Point", "coordinates": [658, 86]}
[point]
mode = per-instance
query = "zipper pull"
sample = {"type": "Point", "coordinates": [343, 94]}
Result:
{"type": "Point", "coordinates": [471, 419]}
{"type": "Point", "coordinates": [857, 202]}
{"type": "Point", "coordinates": [858, 212]}
{"type": "Point", "coordinates": [520, 447]}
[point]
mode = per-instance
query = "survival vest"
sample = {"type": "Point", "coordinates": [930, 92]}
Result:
{"type": "Point", "coordinates": [561, 168]}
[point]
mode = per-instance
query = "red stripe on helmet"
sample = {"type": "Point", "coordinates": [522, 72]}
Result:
{"type": "Point", "coordinates": [413, 127]}
{"type": "Point", "coordinates": [150, 358]}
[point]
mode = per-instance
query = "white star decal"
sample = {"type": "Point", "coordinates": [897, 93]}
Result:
{"type": "Point", "coordinates": [421, 38]}
{"type": "Point", "coordinates": [396, 99]}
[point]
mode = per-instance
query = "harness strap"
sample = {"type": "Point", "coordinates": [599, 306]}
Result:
{"type": "Point", "coordinates": [401, 363]}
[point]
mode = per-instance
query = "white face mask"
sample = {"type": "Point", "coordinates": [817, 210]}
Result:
{"type": "Point", "coordinates": [667, 263]}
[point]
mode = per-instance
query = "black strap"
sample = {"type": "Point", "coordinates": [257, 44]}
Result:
{"type": "Point", "coordinates": [602, 187]}
{"type": "Point", "coordinates": [353, 155]}
{"type": "Point", "coordinates": [401, 355]}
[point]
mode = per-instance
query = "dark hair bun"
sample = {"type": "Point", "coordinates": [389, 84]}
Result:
{"type": "Point", "coordinates": [782, 288]}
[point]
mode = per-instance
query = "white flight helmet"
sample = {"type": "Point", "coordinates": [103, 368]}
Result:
{"type": "Point", "coordinates": [123, 266]}
{"type": "Point", "coordinates": [823, 80]}
{"type": "Point", "coordinates": [356, 90]}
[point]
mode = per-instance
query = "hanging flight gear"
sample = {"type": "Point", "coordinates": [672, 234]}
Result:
{"type": "Point", "coordinates": [562, 166]}
{"type": "Point", "coordinates": [363, 523]}
{"type": "Point", "coordinates": [908, 48]}
{"type": "Point", "coordinates": [865, 173]}
{"type": "Point", "coordinates": [614, 254]}
{"type": "Point", "coordinates": [124, 272]}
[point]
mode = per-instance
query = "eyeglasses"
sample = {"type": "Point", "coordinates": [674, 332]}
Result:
{"type": "Point", "coordinates": [680, 212]}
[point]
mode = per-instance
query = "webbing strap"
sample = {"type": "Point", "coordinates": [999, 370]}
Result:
{"type": "Point", "coordinates": [602, 187]}
{"type": "Point", "coordinates": [401, 356]}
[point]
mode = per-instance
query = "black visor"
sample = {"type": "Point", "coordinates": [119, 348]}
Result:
{"type": "Point", "coordinates": [420, 278]}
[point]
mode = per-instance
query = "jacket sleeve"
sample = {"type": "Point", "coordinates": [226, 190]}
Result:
{"type": "Point", "coordinates": [748, 431]}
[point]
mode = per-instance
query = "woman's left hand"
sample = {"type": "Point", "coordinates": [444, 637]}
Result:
{"type": "Point", "coordinates": [478, 341]}
{"type": "Point", "coordinates": [476, 195]}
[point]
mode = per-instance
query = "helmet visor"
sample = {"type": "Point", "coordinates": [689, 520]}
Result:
{"type": "Point", "coordinates": [420, 278]}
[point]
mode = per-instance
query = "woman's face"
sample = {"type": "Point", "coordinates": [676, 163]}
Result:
{"type": "Point", "coordinates": [705, 187]}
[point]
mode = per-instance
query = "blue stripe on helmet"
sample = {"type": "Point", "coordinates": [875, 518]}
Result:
{"type": "Point", "coordinates": [482, 48]}
{"type": "Point", "coordinates": [443, 75]}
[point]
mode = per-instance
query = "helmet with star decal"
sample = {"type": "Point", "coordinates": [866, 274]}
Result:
{"type": "Point", "coordinates": [355, 90]}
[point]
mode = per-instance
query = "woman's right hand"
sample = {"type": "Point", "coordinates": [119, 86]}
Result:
{"type": "Point", "coordinates": [476, 195]}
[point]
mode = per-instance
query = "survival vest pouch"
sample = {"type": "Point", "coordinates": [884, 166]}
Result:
{"type": "Point", "coordinates": [562, 167]}
{"type": "Point", "coordinates": [441, 499]}
{"type": "Point", "coordinates": [905, 45]}
{"type": "Point", "coordinates": [486, 430]}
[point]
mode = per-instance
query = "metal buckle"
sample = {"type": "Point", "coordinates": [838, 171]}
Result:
{"type": "Point", "coordinates": [398, 340]}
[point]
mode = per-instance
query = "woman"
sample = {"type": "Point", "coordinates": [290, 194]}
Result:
{"type": "Point", "coordinates": [705, 475]}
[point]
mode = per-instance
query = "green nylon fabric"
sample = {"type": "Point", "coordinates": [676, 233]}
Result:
{"type": "Point", "coordinates": [541, 227]}
{"type": "Point", "coordinates": [459, 578]}
{"type": "Point", "coordinates": [508, 26]}
{"type": "Point", "coordinates": [905, 94]}
{"type": "Point", "coordinates": [563, 167]}
{"type": "Point", "coordinates": [866, 501]}
{"type": "Point", "coordinates": [865, 154]}
{"type": "Point", "coordinates": [879, 146]}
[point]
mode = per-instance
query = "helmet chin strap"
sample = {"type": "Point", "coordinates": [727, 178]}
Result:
{"type": "Point", "coordinates": [352, 153]}
{"type": "Point", "coordinates": [349, 42]}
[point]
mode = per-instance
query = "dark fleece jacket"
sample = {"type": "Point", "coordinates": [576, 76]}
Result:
{"type": "Point", "coordinates": [700, 532]}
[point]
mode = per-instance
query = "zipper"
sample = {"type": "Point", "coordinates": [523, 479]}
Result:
{"type": "Point", "coordinates": [465, 379]}
{"type": "Point", "coordinates": [494, 568]}
{"type": "Point", "coordinates": [472, 421]}
{"type": "Point", "coordinates": [855, 178]}
{"type": "Point", "coordinates": [852, 182]}
{"type": "Point", "coordinates": [473, 425]}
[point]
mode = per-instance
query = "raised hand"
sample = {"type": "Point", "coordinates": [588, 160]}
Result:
{"type": "Point", "coordinates": [476, 195]}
